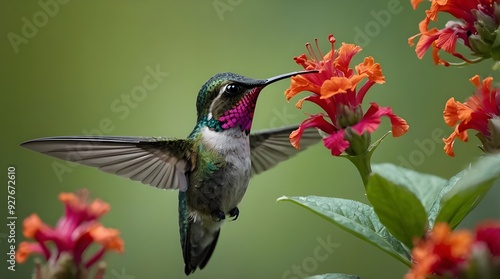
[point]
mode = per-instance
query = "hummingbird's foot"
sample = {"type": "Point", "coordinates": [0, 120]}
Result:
{"type": "Point", "coordinates": [218, 215]}
{"type": "Point", "coordinates": [235, 212]}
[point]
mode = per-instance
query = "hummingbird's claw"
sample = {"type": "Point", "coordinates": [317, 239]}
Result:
{"type": "Point", "coordinates": [235, 212]}
{"type": "Point", "coordinates": [218, 215]}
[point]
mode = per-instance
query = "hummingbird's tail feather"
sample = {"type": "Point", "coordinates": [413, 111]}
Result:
{"type": "Point", "coordinates": [199, 243]}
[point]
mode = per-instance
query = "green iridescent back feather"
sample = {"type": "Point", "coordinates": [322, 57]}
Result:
{"type": "Point", "coordinates": [207, 162]}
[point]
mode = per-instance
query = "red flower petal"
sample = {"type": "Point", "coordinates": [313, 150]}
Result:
{"type": "Point", "coordinates": [489, 233]}
{"type": "Point", "coordinates": [317, 121]}
{"type": "Point", "coordinates": [336, 143]}
{"type": "Point", "coordinates": [371, 121]}
{"type": "Point", "coordinates": [475, 113]}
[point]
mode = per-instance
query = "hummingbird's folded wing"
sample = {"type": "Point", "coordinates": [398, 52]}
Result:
{"type": "Point", "coordinates": [159, 162]}
{"type": "Point", "coordinates": [270, 147]}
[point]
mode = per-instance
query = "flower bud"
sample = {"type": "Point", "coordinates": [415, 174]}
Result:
{"type": "Point", "coordinates": [487, 21]}
{"type": "Point", "coordinates": [491, 143]}
{"type": "Point", "coordinates": [480, 47]}
{"type": "Point", "coordinates": [358, 144]}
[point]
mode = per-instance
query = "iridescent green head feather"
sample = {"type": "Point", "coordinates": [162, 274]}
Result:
{"type": "Point", "coordinates": [217, 86]}
{"type": "Point", "coordinates": [227, 100]}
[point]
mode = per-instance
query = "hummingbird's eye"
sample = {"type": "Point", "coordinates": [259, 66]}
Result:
{"type": "Point", "coordinates": [232, 89]}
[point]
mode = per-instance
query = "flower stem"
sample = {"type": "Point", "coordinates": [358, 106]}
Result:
{"type": "Point", "coordinates": [362, 163]}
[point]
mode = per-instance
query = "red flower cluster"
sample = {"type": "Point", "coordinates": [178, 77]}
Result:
{"type": "Point", "coordinates": [480, 112]}
{"type": "Point", "coordinates": [335, 91]}
{"type": "Point", "coordinates": [475, 28]}
{"type": "Point", "coordinates": [73, 234]}
{"type": "Point", "coordinates": [446, 253]}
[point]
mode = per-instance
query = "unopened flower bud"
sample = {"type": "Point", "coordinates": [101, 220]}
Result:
{"type": "Point", "coordinates": [480, 47]}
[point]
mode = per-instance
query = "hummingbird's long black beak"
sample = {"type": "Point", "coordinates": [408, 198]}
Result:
{"type": "Point", "coordinates": [283, 76]}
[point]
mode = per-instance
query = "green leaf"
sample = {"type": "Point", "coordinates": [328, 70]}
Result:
{"type": "Point", "coordinates": [356, 218]}
{"type": "Point", "coordinates": [469, 190]}
{"type": "Point", "coordinates": [398, 208]}
{"type": "Point", "coordinates": [374, 146]}
{"type": "Point", "coordinates": [436, 206]}
{"type": "Point", "coordinates": [425, 186]}
{"type": "Point", "coordinates": [334, 276]}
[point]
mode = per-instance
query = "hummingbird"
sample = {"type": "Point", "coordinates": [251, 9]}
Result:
{"type": "Point", "coordinates": [211, 168]}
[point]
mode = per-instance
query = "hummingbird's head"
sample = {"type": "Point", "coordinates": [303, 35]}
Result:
{"type": "Point", "coordinates": [228, 100]}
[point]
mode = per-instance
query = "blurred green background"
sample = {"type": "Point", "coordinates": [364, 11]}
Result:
{"type": "Point", "coordinates": [83, 58]}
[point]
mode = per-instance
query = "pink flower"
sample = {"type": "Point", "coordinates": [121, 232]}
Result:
{"type": "Point", "coordinates": [73, 234]}
{"type": "Point", "coordinates": [444, 253]}
{"type": "Point", "coordinates": [479, 113]}
{"type": "Point", "coordinates": [475, 27]}
{"type": "Point", "coordinates": [335, 90]}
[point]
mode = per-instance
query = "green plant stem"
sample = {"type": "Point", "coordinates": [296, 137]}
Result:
{"type": "Point", "coordinates": [363, 164]}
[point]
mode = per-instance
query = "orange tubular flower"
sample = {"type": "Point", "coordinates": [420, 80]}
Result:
{"type": "Point", "coordinates": [335, 90]}
{"type": "Point", "coordinates": [476, 29]}
{"type": "Point", "coordinates": [440, 252]}
{"type": "Point", "coordinates": [480, 112]}
{"type": "Point", "coordinates": [73, 234]}
{"type": "Point", "coordinates": [454, 254]}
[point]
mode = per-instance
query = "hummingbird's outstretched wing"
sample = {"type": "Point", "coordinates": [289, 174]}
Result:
{"type": "Point", "coordinates": [270, 147]}
{"type": "Point", "coordinates": [159, 162]}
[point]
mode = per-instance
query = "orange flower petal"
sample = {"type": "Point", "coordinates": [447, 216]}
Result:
{"type": "Point", "coordinates": [299, 103]}
{"type": "Point", "coordinates": [338, 85]}
{"type": "Point", "coordinates": [448, 145]}
{"type": "Point", "coordinates": [345, 54]}
{"type": "Point", "coordinates": [109, 238]}
{"type": "Point", "coordinates": [31, 225]}
{"type": "Point", "coordinates": [299, 84]}
{"type": "Point", "coordinates": [295, 138]}
{"type": "Point", "coordinates": [98, 208]}
{"type": "Point", "coordinates": [436, 58]}
{"type": "Point", "coordinates": [450, 112]}
{"type": "Point", "coordinates": [373, 70]}
{"type": "Point", "coordinates": [475, 80]}
{"type": "Point", "coordinates": [399, 126]}
{"type": "Point", "coordinates": [410, 39]}
{"type": "Point", "coordinates": [442, 250]}
{"type": "Point", "coordinates": [460, 242]}
{"type": "Point", "coordinates": [423, 26]}
{"type": "Point", "coordinates": [70, 199]}
{"type": "Point", "coordinates": [448, 142]}
{"type": "Point", "coordinates": [24, 251]}
{"type": "Point", "coordinates": [464, 112]}
{"type": "Point", "coordinates": [426, 40]}
{"type": "Point", "coordinates": [79, 203]}
{"type": "Point", "coordinates": [335, 85]}
{"type": "Point", "coordinates": [463, 136]}
{"type": "Point", "coordinates": [487, 83]}
{"type": "Point", "coordinates": [415, 3]}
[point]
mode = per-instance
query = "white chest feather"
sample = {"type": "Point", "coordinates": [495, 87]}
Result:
{"type": "Point", "coordinates": [233, 145]}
